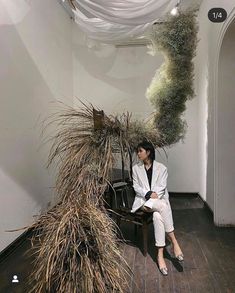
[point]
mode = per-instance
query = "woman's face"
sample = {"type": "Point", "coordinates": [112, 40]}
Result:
{"type": "Point", "coordinates": [142, 154]}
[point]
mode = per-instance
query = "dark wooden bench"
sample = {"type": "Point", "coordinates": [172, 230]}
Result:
{"type": "Point", "coordinates": [122, 196]}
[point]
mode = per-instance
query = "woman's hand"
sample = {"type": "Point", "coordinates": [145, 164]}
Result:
{"type": "Point", "coordinates": [154, 195]}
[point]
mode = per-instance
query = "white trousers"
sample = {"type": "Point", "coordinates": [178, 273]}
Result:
{"type": "Point", "coordinates": [162, 218]}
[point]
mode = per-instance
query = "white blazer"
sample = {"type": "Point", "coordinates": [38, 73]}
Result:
{"type": "Point", "coordinates": [141, 184]}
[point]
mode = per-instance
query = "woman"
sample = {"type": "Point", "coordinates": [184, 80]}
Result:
{"type": "Point", "coordinates": [149, 182]}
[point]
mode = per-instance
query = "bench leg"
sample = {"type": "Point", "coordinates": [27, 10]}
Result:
{"type": "Point", "coordinates": [145, 238]}
{"type": "Point", "coordinates": [135, 230]}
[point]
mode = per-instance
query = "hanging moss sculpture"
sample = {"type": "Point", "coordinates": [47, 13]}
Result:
{"type": "Point", "coordinates": [176, 39]}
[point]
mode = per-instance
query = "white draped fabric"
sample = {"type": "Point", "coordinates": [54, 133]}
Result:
{"type": "Point", "coordinates": [112, 21]}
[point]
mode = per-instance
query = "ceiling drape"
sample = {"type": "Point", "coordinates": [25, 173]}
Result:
{"type": "Point", "coordinates": [112, 21]}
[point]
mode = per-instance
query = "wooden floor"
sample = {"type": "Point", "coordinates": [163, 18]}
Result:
{"type": "Point", "coordinates": [209, 252]}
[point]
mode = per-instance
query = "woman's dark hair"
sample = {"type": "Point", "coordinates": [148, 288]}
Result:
{"type": "Point", "coordinates": [148, 146]}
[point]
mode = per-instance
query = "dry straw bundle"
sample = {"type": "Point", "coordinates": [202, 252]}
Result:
{"type": "Point", "coordinates": [77, 251]}
{"type": "Point", "coordinates": [75, 243]}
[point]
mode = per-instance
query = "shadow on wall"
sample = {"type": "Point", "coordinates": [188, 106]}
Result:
{"type": "Point", "coordinates": [119, 74]}
{"type": "Point", "coordinates": [115, 69]}
{"type": "Point", "coordinates": [25, 96]}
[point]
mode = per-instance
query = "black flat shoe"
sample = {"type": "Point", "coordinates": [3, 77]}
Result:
{"type": "Point", "coordinates": [180, 257]}
{"type": "Point", "coordinates": [163, 270]}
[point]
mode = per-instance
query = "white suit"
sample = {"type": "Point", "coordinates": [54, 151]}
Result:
{"type": "Point", "coordinates": [162, 215]}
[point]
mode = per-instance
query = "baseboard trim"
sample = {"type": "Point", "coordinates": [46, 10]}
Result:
{"type": "Point", "coordinates": [15, 244]}
{"type": "Point", "coordinates": [207, 207]}
{"type": "Point", "coordinates": [183, 194]}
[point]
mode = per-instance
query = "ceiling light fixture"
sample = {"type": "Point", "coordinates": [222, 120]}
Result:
{"type": "Point", "coordinates": [175, 10]}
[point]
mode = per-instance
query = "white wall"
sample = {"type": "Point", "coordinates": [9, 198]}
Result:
{"type": "Point", "coordinates": [115, 79]}
{"type": "Point", "coordinates": [226, 133]}
{"type": "Point", "coordinates": [36, 69]}
{"type": "Point", "coordinates": [211, 35]}
{"type": "Point", "coordinates": [201, 85]}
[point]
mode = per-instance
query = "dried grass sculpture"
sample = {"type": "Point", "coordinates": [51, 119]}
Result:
{"type": "Point", "coordinates": [75, 243]}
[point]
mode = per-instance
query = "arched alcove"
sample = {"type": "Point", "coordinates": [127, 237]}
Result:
{"type": "Point", "coordinates": [225, 132]}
